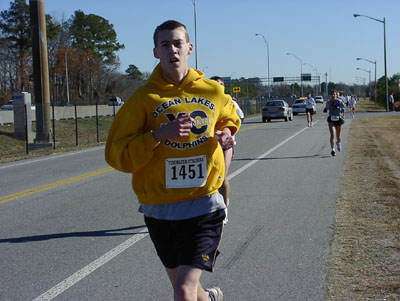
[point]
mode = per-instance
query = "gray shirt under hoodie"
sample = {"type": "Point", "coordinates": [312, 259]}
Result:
{"type": "Point", "coordinates": [184, 210]}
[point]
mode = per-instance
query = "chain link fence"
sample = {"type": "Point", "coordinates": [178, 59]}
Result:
{"type": "Point", "coordinates": [82, 126]}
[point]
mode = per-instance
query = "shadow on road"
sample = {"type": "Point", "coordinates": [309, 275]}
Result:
{"type": "Point", "coordinates": [113, 232]}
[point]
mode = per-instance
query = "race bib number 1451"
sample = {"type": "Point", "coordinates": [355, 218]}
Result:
{"type": "Point", "coordinates": [186, 172]}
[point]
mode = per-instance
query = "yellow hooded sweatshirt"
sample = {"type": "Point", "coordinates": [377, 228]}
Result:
{"type": "Point", "coordinates": [179, 169]}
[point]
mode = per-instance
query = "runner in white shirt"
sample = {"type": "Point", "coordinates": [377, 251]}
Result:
{"type": "Point", "coordinates": [310, 106]}
{"type": "Point", "coordinates": [225, 189]}
{"type": "Point", "coordinates": [352, 105]}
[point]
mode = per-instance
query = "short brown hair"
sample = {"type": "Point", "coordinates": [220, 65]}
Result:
{"type": "Point", "coordinates": [217, 78]}
{"type": "Point", "coordinates": [169, 25]}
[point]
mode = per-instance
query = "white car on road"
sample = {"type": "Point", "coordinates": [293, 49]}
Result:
{"type": "Point", "coordinates": [319, 99]}
{"type": "Point", "coordinates": [299, 106]}
{"type": "Point", "coordinates": [9, 105]}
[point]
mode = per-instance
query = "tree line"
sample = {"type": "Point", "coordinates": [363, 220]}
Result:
{"type": "Point", "coordinates": [255, 88]}
{"type": "Point", "coordinates": [81, 49]}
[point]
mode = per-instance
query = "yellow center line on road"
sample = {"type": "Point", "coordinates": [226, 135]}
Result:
{"type": "Point", "coordinates": [53, 185]}
{"type": "Point", "coordinates": [30, 191]}
{"type": "Point", "coordinates": [251, 127]}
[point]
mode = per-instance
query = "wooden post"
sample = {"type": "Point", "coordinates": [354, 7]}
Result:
{"type": "Point", "coordinates": [40, 70]}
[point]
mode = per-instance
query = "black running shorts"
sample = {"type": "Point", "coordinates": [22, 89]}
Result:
{"type": "Point", "coordinates": [338, 122]}
{"type": "Point", "coordinates": [311, 111]}
{"type": "Point", "coordinates": [193, 242]}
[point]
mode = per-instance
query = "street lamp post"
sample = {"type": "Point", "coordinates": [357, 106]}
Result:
{"type": "Point", "coordinates": [301, 70]}
{"type": "Point", "coordinates": [326, 84]}
{"type": "Point", "coordinates": [268, 82]}
{"type": "Point", "coordinates": [361, 81]}
{"type": "Point", "coordinates": [384, 55]}
{"type": "Point", "coordinates": [316, 73]}
{"type": "Point", "coordinates": [369, 77]}
{"type": "Point", "coordinates": [372, 62]}
{"type": "Point", "coordinates": [195, 31]}
{"type": "Point", "coordinates": [230, 82]}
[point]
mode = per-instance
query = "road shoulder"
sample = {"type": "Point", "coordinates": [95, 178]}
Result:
{"type": "Point", "coordinates": [365, 255]}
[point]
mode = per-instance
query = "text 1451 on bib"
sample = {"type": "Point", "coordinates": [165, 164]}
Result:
{"type": "Point", "coordinates": [186, 172]}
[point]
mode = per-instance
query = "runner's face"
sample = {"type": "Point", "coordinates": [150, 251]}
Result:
{"type": "Point", "coordinates": [220, 82]}
{"type": "Point", "coordinates": [173, 51]}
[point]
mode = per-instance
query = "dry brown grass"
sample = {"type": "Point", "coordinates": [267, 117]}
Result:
{"type": "Point", "coordinates": [12, 149]}
{"type": "Point", "coordinates": [365, 260]}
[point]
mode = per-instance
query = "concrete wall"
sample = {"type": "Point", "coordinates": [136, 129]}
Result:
{"type": "Point", "coordinates": [7, 117]}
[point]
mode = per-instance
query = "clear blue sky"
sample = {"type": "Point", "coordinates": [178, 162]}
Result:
{"type": "Point", "coordinates": [323, 34]}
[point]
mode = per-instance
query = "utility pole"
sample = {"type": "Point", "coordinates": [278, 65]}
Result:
{"type": "Point", "coordinates": [268, 82]}
{"type": "Point", "coordinates": [66, 75]}
{"type": "Point", "coordinates": [326, 86]}
{"type": "Point", "coordinates": [384, 55]}
{"type": "Point", "coordinates": [301, 70]}
{"type": "Point", "coordinates": [40, 70]}
{"type": "Point", "coordinates": [195, 30]}
{"type": "Point", "coordinates": [317, 77]}
{"type": "Point", "coordinates": [386, 78]}
{"type": "Point", "coordinates": [372, 62]}
{"type": "Point", "coordinates": [369, 82]}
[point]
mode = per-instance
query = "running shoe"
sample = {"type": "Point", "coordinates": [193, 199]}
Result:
{"type": "Point", "coordinates": [215, 293]}
{"type": "Point", "coordinates": [338, 146]}
{"type": "Point", "coordinates": [311, 124]}
{"type": "Point", "coordinates": [333, 153]}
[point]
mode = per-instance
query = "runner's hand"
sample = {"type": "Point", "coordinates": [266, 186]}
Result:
{"type": "Point", "coordinates": [179, 127]}
{"type": "Point", "coordinates": [225, 138]}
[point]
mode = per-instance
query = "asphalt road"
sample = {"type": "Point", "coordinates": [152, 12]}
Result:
{"type": "Point", "coordinates": [70, 230]}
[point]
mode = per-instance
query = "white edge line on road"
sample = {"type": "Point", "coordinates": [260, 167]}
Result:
{"type": "Point", "coordinates": [243, 168]}
{"type": "Point", "coordinates": [82, 273]}
{"type": "Point", "coordinates": [50, 157]}
{"type": "Point", "coordinates": [91, 267]}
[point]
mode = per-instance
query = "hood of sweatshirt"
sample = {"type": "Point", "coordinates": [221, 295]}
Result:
{"type": "Point", "coordinates": [161, 82]}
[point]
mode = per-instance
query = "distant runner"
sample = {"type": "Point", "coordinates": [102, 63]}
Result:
{"type": "Point", "coordinates": [336, 109]}
{"type": "Point", "coordinates": [310, 106]}
{"type": "Point", "coordinates": [352, 105]}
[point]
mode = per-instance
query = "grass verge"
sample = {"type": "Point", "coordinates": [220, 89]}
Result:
{"type": "Point", "coordinates": [365, 258]}
{"type": "Point", "coordinates": [88, 133]}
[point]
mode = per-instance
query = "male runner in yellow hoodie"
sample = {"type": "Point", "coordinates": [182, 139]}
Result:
{"type": "Point", "coordinates": [164, 135]}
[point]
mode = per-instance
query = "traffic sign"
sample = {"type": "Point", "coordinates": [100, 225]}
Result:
{"type": "Point", "coordinates": [236, 89]}
{"type": "Point", "coordinates": [278, 79]}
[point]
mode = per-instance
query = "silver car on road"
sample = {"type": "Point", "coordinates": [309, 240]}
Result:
{"type": "Point", "coordinates": [276, 109]}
